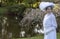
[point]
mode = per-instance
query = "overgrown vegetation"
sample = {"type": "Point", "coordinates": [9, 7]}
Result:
{"type": "Point", "coordinates": [14, 17]}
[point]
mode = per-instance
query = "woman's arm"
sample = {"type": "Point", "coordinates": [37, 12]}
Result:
{"type": "Point", "coordinates": [49, 30]}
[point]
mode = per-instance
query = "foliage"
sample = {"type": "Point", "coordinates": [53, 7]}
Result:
{"type": "Point", "coordinates": [56, 8]}
{"type": "Point", "coordinates": [13, 10]}
{"type": "Point", "coordinates": [2, 10]}
{"type": "Point", "coordinates": [58, 22]}
{"type": "Point", "coordinates": [16, 9]}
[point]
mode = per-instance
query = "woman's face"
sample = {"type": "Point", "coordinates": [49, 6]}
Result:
{"type": "Point", "coordinates": [49, 10]}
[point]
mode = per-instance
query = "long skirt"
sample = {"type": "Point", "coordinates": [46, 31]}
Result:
{"type": "Point", "coordinates": [51, 35]}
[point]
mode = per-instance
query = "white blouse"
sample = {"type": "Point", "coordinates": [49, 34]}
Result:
{"type": "Point", "coordinates": [49, 23]}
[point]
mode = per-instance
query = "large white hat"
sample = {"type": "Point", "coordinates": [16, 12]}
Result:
{"type": "Point", "coordinates": [43, 5]}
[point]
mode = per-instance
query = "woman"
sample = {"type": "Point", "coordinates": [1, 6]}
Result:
{"type": "Point", "coordinates": [49, 21]}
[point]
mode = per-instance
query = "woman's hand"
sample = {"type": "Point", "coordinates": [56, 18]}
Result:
{"type": "Point", "coordinates": [49, 32]}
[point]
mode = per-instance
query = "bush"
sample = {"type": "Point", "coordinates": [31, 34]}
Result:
{"type": "Point", "coordinates": [16, 10]}
{"type": "Point", "coordinates": [58, 22]}
{"type": "Point", "coordinates": [3, 10]}
{"type": "Point", "coordinates": [13, 12]}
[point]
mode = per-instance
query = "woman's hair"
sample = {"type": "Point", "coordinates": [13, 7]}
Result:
{"type": "Point", "coordinates": [48, 7]}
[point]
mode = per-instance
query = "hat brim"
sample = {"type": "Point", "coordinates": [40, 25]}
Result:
{"type": "Point", "coordinates": [43, 5]}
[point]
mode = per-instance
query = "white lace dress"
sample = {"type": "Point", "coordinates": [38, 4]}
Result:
{"type": "Point", "coordinates": [50, 25]}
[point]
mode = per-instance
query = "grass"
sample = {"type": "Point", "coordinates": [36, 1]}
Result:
{"type": "Point", "coordinates": [39, 37]}
{"type": "Point", "coordinates": [58, 35]}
